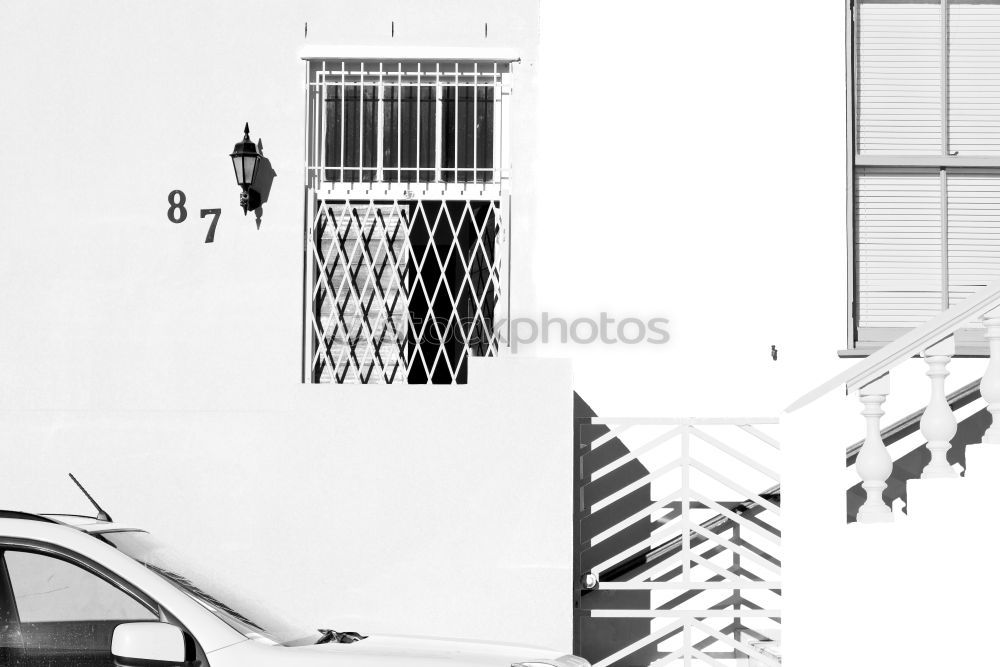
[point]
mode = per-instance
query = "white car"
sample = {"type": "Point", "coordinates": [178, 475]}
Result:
{"type": "Point", "coordinates": [83, 592]}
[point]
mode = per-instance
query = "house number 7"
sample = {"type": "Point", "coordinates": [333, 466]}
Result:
{"type": "Point", "coordinates": [215, 213]}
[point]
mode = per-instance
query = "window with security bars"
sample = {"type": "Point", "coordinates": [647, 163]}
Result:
{"type": "Point", "coordinates": [407, 122]}
{"type": "Point", "coordinates": [406, 219]}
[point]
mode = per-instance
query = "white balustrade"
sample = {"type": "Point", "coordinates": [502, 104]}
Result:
{"type": "Point", "coordinates": [938, 424]}
{"type": "Point", "coordinates": [874, 465]}
{"type": "Point", "coordinates": [934, 340]}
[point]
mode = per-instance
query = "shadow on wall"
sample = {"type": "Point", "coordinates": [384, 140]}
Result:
{"type": "Point", "coordinates": [596, 638]}
{"type": "Point", "coordinates": [262, 183]}
{"type": "Point", "coordinates": [970, 431]}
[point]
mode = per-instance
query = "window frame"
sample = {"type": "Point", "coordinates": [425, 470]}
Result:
{"type": "Point", "coordinates": [968, 345]}
{"type": "Point", "coordinates": [452, 67]}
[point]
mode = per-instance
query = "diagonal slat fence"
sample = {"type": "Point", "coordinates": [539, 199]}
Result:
{"type": "Point", "coordinates": [677, 542]}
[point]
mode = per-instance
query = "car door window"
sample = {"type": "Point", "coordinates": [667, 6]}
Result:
{"type": "Point", "coordinates": [67, 614]}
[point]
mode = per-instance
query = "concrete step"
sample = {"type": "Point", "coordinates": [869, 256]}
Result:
{"type": "Point", "coordinates": [953, 499]}
{"type": "Point", "coordinates": [982, 461]}
{"type": "Point", "coordinates": [938, 500]}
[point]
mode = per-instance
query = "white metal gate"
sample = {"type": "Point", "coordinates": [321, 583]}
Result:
{"type": "Point", "coordinates": [677, 554]}
{"type": "Point", "coordinates": [403, 290]}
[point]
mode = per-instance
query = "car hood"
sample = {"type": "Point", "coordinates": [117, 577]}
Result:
{"type": "Point", "coordinates": [456, 651]}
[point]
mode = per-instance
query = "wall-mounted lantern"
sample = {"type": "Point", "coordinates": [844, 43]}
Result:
{"type": "Point", "coordinates": [246, 159]}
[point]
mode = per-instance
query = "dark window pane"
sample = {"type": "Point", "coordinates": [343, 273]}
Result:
{"type": "Point", "coordinates": [401, 128]}
{"type": "Point", "coordinates": [427, 129]}
{"type": "Point", "coordinates": [341, 114]}
{"type": "Point", "coordinates": [390, 137]}
{"type": "Point", "coordinates": [454, 125]}
{"type": "Point", "coordinates": [467, 125]}
{"type": "Point", "coordinates": [484, 132]}
{"type": "Point", "coordinates": [351, 132]}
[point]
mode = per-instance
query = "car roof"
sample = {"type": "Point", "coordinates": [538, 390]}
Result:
{"type": "Point", "coordinates": [89, 524]}
{"type": "Point", "coordinates": [86, 524]}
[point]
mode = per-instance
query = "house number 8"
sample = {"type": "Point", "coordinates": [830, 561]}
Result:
{"type": "Point", "coordinates": [177, 213]}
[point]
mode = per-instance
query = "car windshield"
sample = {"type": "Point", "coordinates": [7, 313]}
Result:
{"type": "Point", "coordinates": [254, 619]}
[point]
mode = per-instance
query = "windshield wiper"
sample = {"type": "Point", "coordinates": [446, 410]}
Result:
{"type": "Point", "coordinates": [334, 637]}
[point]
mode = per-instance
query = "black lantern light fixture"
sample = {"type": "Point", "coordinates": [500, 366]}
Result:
{"type": "Point", "coordinates": [246, 159]}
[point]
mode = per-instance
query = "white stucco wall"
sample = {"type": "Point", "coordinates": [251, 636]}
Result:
{"type": "Point", "coordinates": [715, 132]}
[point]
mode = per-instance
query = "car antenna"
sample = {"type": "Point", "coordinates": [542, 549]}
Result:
{"type": "Point", "coordinates": [101, 514]}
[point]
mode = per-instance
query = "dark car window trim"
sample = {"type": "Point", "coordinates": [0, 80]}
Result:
{"type": "Point", "coordinates": [8, 610]}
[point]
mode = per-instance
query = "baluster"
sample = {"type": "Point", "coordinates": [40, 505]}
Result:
{"type": "Point", "coordinates": [938, 424]}
{"type": "Point", "coordinates": [874, 465]}
{"type": "Point", "coordinates": [990, 385]}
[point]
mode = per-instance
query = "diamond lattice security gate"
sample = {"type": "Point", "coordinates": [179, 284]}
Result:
{"type": "Point", "coordinates": [402, 291]}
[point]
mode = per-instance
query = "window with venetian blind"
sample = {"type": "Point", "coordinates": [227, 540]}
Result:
{"type": "Point", "coordinates": [925, 160]}
{"type": "Point", "coordinates": [407, 205]}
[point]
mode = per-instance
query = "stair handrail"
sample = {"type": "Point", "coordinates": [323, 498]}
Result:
{"type": "Point", "coordinates": [909, 344]}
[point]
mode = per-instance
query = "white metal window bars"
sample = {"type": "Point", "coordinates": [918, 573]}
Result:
{"type": "Point", "coordinates": [411, 127]}
{"type": "Point", "coordinates": [407, 175]}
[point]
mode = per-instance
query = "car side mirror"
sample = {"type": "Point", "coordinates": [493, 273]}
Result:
{"type": "Point", "coordinates": [162, 643]}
